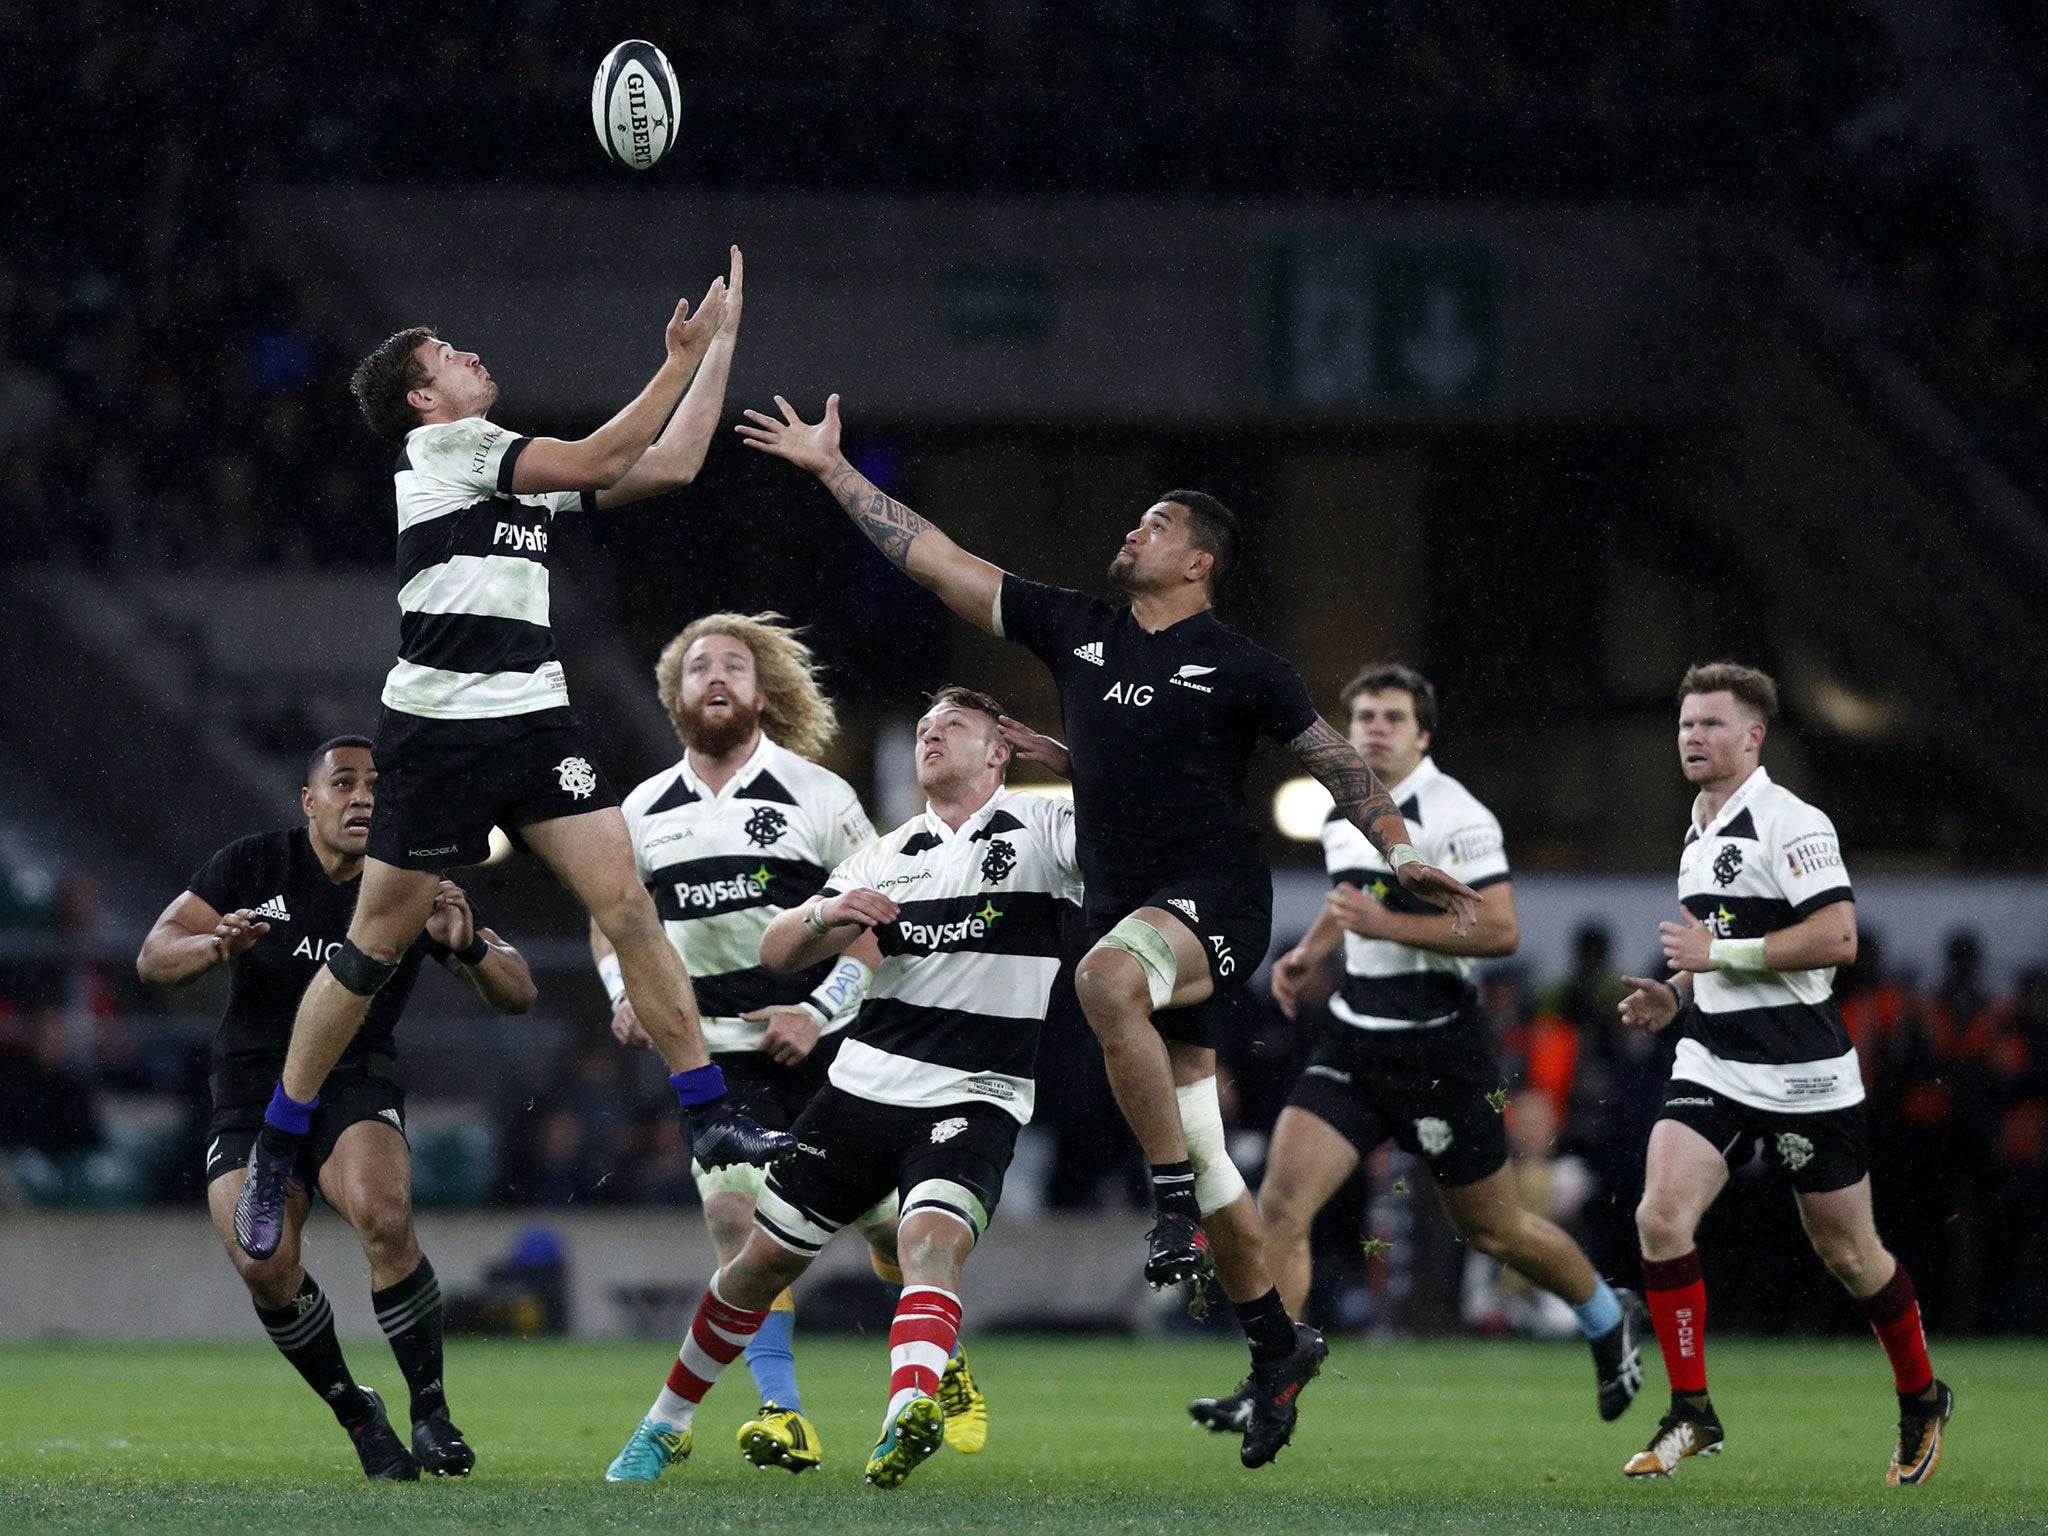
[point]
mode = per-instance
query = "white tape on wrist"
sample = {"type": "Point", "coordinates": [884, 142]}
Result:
{"type": "Point", "coordinates": [814, 919]}
{"type": "Point", "coordinates": [1402, 853]}
{"type": "Point", "coordinates": [613, 978]}
{"type": "Point", "coordinates": [1738, 955]}
{"type": "Point", "coordinates": [840, 992]}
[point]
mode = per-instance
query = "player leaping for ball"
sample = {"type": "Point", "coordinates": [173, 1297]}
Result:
{"type": "Point", "coordinates": [1163, 704]}
{"type": "Point", "coordinates": [476, 729]}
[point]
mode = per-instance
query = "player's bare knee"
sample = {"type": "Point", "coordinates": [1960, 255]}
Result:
{"type": "Point", "coordinates": [271, 1281]}
{"type": "Point", "coordinates": [1662, 1230]}
{"type": "Point", "coordinates": [1111, 988]}
{"type": "Point", "coordinates": [624, 914]}
{"type": "Point", "coordinates": [1494, 1239]}
{"type": "Point", "coordinates": [384, 1227]}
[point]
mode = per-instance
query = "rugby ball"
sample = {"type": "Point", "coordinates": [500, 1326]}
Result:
{"type": "Point", "coordinates": [633, 104]}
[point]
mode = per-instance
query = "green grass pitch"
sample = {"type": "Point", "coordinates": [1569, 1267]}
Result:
{"type": "Point", "coordinates": [1085, 1437]}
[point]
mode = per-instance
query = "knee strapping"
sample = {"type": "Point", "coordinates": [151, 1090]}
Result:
{"type": "Point", "coordinates": [948, 1198]}
{"type": "Point", "coordinates": [1217, 1181]}
{"type": "Point", "coordinates": [357, 972]}
{"type": "Point", "coordinates": [1149, 947]}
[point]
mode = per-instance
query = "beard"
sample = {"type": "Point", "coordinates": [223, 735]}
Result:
{"type": "Point", "coordinates": [1123, 574]}
{"type": "Point", "coordinates": [718, 734]}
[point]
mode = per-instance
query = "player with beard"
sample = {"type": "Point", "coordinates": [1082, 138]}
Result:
{"type": "Point", "coordinates": [744, 826]}
{"type": "Point", "coordinates": [1163, 705]}
{"type": "Point", "coordinates": [271, 907]}
{"type": "Point", "coordinates": [476, 729]}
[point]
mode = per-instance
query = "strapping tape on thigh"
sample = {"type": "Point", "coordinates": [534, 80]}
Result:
{"type": "Point", "coordinates": [1154, 954]}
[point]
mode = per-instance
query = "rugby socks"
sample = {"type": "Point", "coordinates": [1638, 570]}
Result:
{"type": "Point", "coordinates": [921, 1341]}
{"type": "Point", "coordinates": [771, 1357]}
{"type": "Point", "coordinates": [1267, 1327]}
{"type": "Point", "coordinates": [303, 1331]}
{"type": "Point", "coordinates": [700, 1088]}
{"type": "Point", "coordinates": [287, 1114]}
{"type": "Point", "coordinates": [717, 1334]}
{"type": "Point", "coordinates": [410, 1314]}
{"type": "Point", "coordinates": [1894, 1313]}
{"type": "Point", "coordinates": [1173, 1190]}
{"type": "Point", "coordinates": [1600, 1313]}
{"type": "Point", "coordinates": [1676, 1290]}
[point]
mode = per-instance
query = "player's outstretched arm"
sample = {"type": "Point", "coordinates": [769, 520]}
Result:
{"type": "Point", "coordinates": [1495, 932]}
{"type": "Point", "coordinates": [1296, 971]}
{"type": "Point", "coordinates": [678, 453]}
{"type": "Point", "coordinates": [1368, 807]}
{"type": "Point", "coordinates": [603, 459]}
{"type": "Point", "coordinates": [966, 583]}
{"type": "Point", "coordinates": [190, 939]}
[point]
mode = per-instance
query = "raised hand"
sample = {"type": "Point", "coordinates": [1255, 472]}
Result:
{"type": "Point", "coordinates": [689, 334]}
{"type": "Point", "coordinates": [1029, 746]}
{"type": "Point", "coordinates": [730, 328]}
{"type": "Point", "coordinates": [809, 447]}
{"type": "Point", "coordinates": [451, 924]}
{"type": "Point", "coordinates": [1688, 946]}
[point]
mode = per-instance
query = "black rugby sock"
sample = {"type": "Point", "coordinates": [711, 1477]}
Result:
{"type": "Point", "coordinates": [410, 1313]}
{"type": "Point", "coordinates": [1173, 1189]}
{"type": "Point", "coordinates": [303, 1331]}
{"type": "Point", "coordinates": [1267, 1327]}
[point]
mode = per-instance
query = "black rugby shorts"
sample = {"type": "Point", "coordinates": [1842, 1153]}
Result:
{"type": "Point", "coordinates": [443, 784]}
{"type": "Point", "coordinates": [1828, 1149]}
{"type": "Point", "coordinates": [348, 1096]}
{"type": "Point", "coordinates": [1229, 910]}
{"type": "Point", "coordinates": [1435, 1092]}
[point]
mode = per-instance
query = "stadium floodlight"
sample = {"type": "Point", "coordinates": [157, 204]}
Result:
{"type": "Point", "coordinates": [1299, 807]}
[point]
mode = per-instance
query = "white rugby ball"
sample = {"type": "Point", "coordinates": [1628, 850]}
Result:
{"type": "Point", "coordinates": [633, 104]}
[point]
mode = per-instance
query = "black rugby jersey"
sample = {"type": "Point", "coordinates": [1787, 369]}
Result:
{"type": "Point", "coordinates": [1161, 727]}
{"type": "Point", "coordinates": [278, 876]}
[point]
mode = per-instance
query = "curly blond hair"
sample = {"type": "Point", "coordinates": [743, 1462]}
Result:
{"type": "Point", "coordinates": [794, 710]}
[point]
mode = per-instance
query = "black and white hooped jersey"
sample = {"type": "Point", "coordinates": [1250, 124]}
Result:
{"type": "Point", "coordinates": [473, 636]}
{"type": "Point", "coordinates": [1769, 1039]}
{"type": "Point", "coordinates": [954, 1012]}
{"type": "Point", "coordinates": [722, 866]}
{"type": "Point", "coordinates": [1397, 986]}
{"type": "Point", "coordinates": [279, 877]}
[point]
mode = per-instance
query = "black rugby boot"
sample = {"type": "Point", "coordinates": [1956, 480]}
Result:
{"type": "Point", "coordinates": [1276, 1391]}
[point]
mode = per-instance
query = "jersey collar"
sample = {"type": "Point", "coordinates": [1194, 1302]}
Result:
{"type": "Point", "coordinates": [935, 824]}
{"type": "Point", "coordinates": [1418, 776]}
{"type": "Point", "coordinates": [742, 776]}
{"type": "Point", "coordinates": [1751, 787]}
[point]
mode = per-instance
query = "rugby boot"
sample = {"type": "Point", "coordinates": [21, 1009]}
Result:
{"type": "Point", "coordinates": [780, 1437]}
{"type": "Point", "coordinates": [966, 1409]}
{"type": "Point", "coordinates": [1229, 1415]}
{"type": "Point", "coordinates": [383, 1455]}
{"type": "Point", "coordinates": [652, 1450]}
{"type": "Point", "coordinates": [1276, 1391]}
{"type": "Point", "coordinates": [1618, 1355]}
{"type": "Point", "coordinates": [917, 1430]}
{"type": "Point", "coordinates": [259, 1209]}
{"type": "Point", "coordinates": [1920, 1430]}
{"type": "Point", "coordinates": [1681, 1433]}
{"type": "Point", "coordinates": [438, 1446]}
{"type": "Point", "coordinates": [1176, 1249]}
{"type": "Point", "coordinates": [722, 1136]}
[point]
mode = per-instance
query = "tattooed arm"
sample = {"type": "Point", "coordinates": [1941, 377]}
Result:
{"type": "Point", "coordinates": [1367, 806]}
{"type": "Point", "coordinates": [965, 583]}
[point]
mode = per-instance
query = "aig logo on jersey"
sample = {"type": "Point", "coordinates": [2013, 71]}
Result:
{"type": "Point", "coordinates": [1137, 694]}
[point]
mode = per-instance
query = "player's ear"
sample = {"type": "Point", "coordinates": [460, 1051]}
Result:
{"type": "Point", "coordinates": [306, 799]}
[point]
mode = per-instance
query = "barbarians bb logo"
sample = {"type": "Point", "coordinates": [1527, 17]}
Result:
{"type": "Point", "coordinates": [1727, 865]}
{"type": "Point", "coordinates": [1434, 1134]}
{"type": "Point", "coordinates": [946, 1130]}
{"type": "Point", "coordinates": [1000, 859]}
{"type": "Point", "coordinates": [576, 777]}
{"type": "Point", "coordinates": [765, 826]}
{"type": "Point", "coordinates": [1794, 1150]}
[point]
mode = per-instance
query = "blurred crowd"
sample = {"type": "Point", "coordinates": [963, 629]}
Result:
{"type": "Point", "coordinates": [99, 1103]}
{"type": "Point", "coordinates": [172, 361]}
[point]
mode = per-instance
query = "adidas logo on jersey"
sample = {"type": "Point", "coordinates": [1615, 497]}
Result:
{"type": "Point", "coordinates": [274, 909]}
{"type": "Point", "coordinates": [1181, 903]}
{"type": "Point", "coordinates": [392, 1115]}
{"type": "Point", "coordinates": [1091, 652]}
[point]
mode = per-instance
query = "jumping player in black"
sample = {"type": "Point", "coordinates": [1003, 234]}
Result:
{"type": "Point", "coordinates": [1163, 705]}
{"type": "Point", "coordinates": [273, 907]}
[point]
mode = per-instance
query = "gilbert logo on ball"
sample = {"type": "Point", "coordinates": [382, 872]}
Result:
{"type": "Point", "coordinates": [633, 104]}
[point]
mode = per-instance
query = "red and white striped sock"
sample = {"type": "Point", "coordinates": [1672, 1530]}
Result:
{"type": "Point", "coordinates": [921, 1341]}
{"type": "Point", "coordinates": [718, 1333]}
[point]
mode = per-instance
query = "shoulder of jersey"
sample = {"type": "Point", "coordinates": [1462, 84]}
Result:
{"type": "Point", "coordinates": [1782, 804]}
{"type": "Point", "coordinates": [649, 789]}
{"type": "Point", "coordinates": [1453, 796]}
{"type": "Point", "coordinates": [800, 775]}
